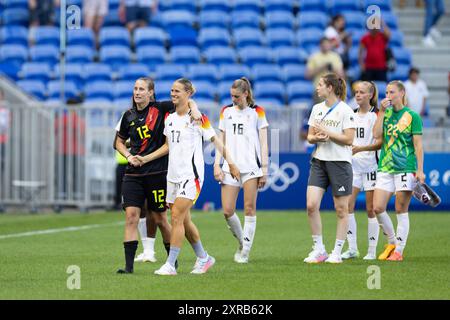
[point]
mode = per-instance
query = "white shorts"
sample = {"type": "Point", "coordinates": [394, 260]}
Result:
{"type": "Point", "coordinates": [95, 7]}
{"type": "Point", "coordinates": [189, 189]}
{"type": "Point", "coordinates": [230, 181]}
{"type": "Point", "coordinates": [365, 181]}
{"type": "Point", "coordinates": [395, 182]}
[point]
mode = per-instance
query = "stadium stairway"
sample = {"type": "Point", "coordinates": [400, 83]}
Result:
{"type": "Point", "coordinates": [434, 63]}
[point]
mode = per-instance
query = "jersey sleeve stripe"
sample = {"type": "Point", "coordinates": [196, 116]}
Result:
{"type": "Point", "coordinates": [221, 112]}
{"type": "Point", "coordinates": [205, 122]}
{"type": "Point", "coordinates": [260, 111]}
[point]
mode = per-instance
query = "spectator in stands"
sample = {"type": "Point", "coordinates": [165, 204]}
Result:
{"type": "Point", "coordinates": [434, 10]}
{"type": "Point", "coordinates": [416, 92]}
{"type": "Point", "coordinates": [94, 12]}
{"type": "Point", "coordinates": [42, 12]}
{"type": "Point", "coordinates": [136, 13]}
{"type": "Point", "coordinates": [323, 62]}
{"type": "Point", "coordinates": [372, 53]}
{"type": "Point", "coordinates": [340, 40]}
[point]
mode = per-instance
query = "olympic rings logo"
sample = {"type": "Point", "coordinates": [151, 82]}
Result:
{"type": "Point", "coordinates": [280, 178]}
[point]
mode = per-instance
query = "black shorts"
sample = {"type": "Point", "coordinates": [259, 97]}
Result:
{"type": "Point", "coordinates": [337, 173]}
{"type": "Point", "coordinates": [137, 189]}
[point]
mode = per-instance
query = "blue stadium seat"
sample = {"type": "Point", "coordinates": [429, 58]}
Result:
{"type": "Point", "coordinates": [112, 19]}
{"type": "Point", "coordinates": [182, 36]}
{"type": "Point", "coordinates": [245, 19]}
{"type": "Point", "coordinates": [247, 37]}
{"type": "Point", "coordinates": [205, 90]}
{"type": "Point", "coordinates": [99, 89]}
{"type": "Point", "coordinates": [47, 35]}
{"type": "Point", "coordinates": [83, 36]}
{"type": "Point", "coordinates": [299, 90]}
{"type": "Point", "coordinates": [54, 89]}
{"type": "Point", "coordinates": [255, 55]}
{"type": "Point", "coordinates": [400, 73]}
{"type": "Point", "coordinates": [123, 89]}
{"type": "Point", "coordinates": [13, 53]}
{"type": "Point", "coordinates": [36, 71]}
{"type": "Point", "coordinates": [151, 56]}
{"type": "Point", "coordinates": [78, 3]}
{"type": "Point", "coordinates": [308, 38]}
{"type": "Point", "coordinates": [185, 55]}
{"type": "Point", "coordinates": [170, 72]}
{"type": "Point", "coordinates": [203, 72]}
{"type": "Point", "coordinates": [280, 37]}
{"type": "Point", "coordinates": [16, 4]}
{"type": "Point", "coordinates": [279, 19]}
{"type": "Point", "coordinates": [79, 54]}
{"type": "Point", "coordinates": [214, 19]}
{"type": "Point", "coordinates": [35, 88]}
{"type": "Point", "coordinates": [97, 72]}
{"type": "Point", "coordinates": [185, 5]}
{"type": "Point", "coordinates": [229, 73]}
{"type": "Point", "coordinates": [353, 54]}
{"type": "Point", "coordinates": [356, 35]}
{"type": "Point", "coordinates": [44, 53]}
{"type": "Point", "coordinates": [10, 70]}
{"type": "Point", "coordinates": [313, 5]}
{"type": "Point", "coordinates": [381, 86]}
{"type": "Point", "coordinates": [338, 6]}
{"type": "Point", "coordinates": [391, 19]}
{"type": "Point", "coordinates": [384, 5]}
{"type": "Point", "coordinates": [354, 72]}
{"type": "Point", "coordinates": [396, 39]}
{"type": "Point", "coordinates": [113, 4]}
{"type": "Point", "coordinates": [279, 5]}
{"type": "Point", "coordinates": [223, 92]}
{"type": "Point", "coordinates": [110, 36]}
{"type": "Point", "coordinates": [313, 19]}
{"type": "Point", "coordinates": [402, 55]}
{"type": "Point", "coordinates": [215, 5]}
{"type": "Point", "coordinates": [220, 55]}
{"type": "Point", "coordinates": [354, 19]}
{"type": "Point", "coordinates": [14, 35]}
{"type": "Point", "coordinates": [269, 103]}
{"type": "Point", "coordinates": [15, 17]}
{"type": "Point", "coordinates": [162, 90]}
{"type": "Point", "coordinates": [122, 104]}
{"type": "Point", "coordinates": [149, 36]}
{"type": "Point", "coordinates": [213, 37]}
{"type": "Point", "coordinates": [267, 72]}
{"type": "Point", "coordinates": [74, 72]}
{"type": "Point", "coordinates": [173, 18]}
{"type": "Point", "coordinates": [294, 72]}
{"type": "Point", "coordinates": [133, 71]}
{"type": "Point", "coordinates": [248, 5]}
{"type": "Point", "coordinates": [270, 90]}
{"type": "Point", "coordinates": [115, 56]}
{"type": "Point", "coordinates": [290, 55]}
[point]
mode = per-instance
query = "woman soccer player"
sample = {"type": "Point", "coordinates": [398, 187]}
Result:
{"type": "Point", "coordinates": [332, 129]}
{"type": "Point", "coordinates": [243, 127]}
{"type": "Point", "coordinates": [184, 142]}
{"type": "Point", "coordinates": [365, 164]}
{"type": "Point", "coordinates": [401, 163]}
{"type": "Point", "coordinates": [143, 124]}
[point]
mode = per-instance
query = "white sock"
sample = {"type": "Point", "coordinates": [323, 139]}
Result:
{"type": "Point", "coordinates": [249, 233]}
{"type": "Point", "coordinates": [402, 231]}
{"type": "Point", "coordinates": [351, 233]}
{"type": "Point", "coordinates": [388, 228]}
{"type": "Point", "coordinates": [142, 227]}
{"type": "Point", "coordinates": [338, 247]}
{"type": "Point", "coordinates": [373, 229]}
{"type": "Point", "coordinates": [148, 244]}
{"type": "Point", "coordinates": [318, 243]}
{"type": "Point", "coordinates": [234, 224]}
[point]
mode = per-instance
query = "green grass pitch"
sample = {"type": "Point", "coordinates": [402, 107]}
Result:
{"type": "Point", "coordinates": [35, 267]}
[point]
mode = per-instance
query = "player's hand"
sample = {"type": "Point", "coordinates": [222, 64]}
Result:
{"type": "Point", "coordinates": [234, 171]}
{"type": "Point", "coordinates": [142, 160]}
{"type": "Point", "coordinates": [218, 173]}
{"type": "Point", "coordinates": [134, 161]}
{"type": "Point", "coordinates": [262, 181]}
{"type": "Point", "coordinates": [196, 115]}
{"type": "Point", "coordinates": [385, 103]}
{"type": "Point", "coordinates": [322, 137]}
{"type": "Point", "coordinates": [420, 176]}
{"type": "Point", "coordinates": [355, 150]}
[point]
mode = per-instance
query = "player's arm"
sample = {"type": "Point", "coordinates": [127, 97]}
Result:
{"type": "Point", "coordinates": [418, 148]}
{"type": "Point", "coordinates": [194, 111]}
{"type": "Point", "coordinates": [371, 147]}
{"type": "Point", "coordinates": [265, 156]}
{"type": "Point", "coordinates": [314, 136]}
{"type": "Point", "coordinates": [220, 148]}
{"type": "Point", "coordinates": [218, 173]}
{"type": "Point", "coordinates": [158, 153]}
{"type": "Point", "coordinates": [378, 126]}
{"type": "Point", "coordinates": [120, 145]}
{"type": "Point", "coordinates": [346, 138]}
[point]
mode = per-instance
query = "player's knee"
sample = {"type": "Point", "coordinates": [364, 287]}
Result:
{"type": "Point", "coordinates": [249, 210]}
{"type": "Point", "coordinates": [132, 219]}
{"type": "Point", "coordinates": [341, 211]}
{"type": "Point", "coordinates": [378, 209]}
{"type": "Point", "coordinates": [228, 211]}
{"type": "Point", "coordinates": [312, 207]}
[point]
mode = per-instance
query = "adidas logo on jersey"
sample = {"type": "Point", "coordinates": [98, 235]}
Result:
{"type": "Point", "coordinates": [252, 174]}
{"type": "Point", "coordinates": [342, 188]}
{"type": "Point", "coordinates": [229, 118]}
{"type": "Point", "coordinates": [404, 186]}
{"type": "Point", "coordinates": [170, 124]}
{"type": "Point", "coordinates": [161, 206]}
{"type": "Point", "coordinates": [182, 193]}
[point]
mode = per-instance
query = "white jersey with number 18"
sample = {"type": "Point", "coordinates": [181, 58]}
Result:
{"type": "Point", "coordinates": [366, 161]}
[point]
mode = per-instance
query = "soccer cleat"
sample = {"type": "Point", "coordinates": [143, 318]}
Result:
{"type": "Point", "coordinates": [166, 270]}
{"type": "Point", "coordinates": [243, 258]}
{"type": "Point", "coordinates": [350, 254]}
{"type": "Point", "coordinates": [237, 255]}
{"type": "Point", "coordinates": [388, 249]}
{"type": "Point", "coordinates": [316, 256]}
{"type": "Point", "coordinates": [370, 256]}
{"type": "Point", "coordinates": [124, 271]}
{"type": "Point", "coordinates": [334, 258]}
{"type": "Point", "coordinates": [146, 257]}
{"type": "Point", "coordinates": [395, 256]}
{"type": "Point", "coordinates": [202, 265]}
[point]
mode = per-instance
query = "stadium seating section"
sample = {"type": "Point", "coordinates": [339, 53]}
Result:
{"type": "Point", "coordinates": [213, 42]}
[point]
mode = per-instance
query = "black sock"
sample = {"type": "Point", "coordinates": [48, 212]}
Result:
{"type": "Point", "coordinates": [167, 246]}
{"type": "Point", "coordinates": [130, 251]}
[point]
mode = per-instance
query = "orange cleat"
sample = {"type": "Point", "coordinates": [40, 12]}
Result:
{"type": "Point", "coordinates": [395, 256]}
{"type": "Point", "coordinates": [388, 249]}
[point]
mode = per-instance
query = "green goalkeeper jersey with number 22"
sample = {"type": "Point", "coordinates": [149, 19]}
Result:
{"type": "Point", "coordinates": [397, 153]}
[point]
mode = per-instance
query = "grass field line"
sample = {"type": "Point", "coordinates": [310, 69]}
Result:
{"type": "Point", "coordinates": [59, 230]}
